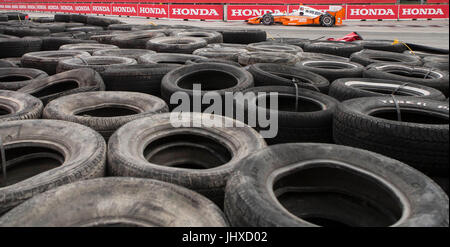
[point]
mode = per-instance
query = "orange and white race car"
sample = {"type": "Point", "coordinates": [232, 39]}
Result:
{"type": "Point", "coordinates": [303, 16]}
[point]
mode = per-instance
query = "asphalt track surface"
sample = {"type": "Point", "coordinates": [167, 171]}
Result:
{"type": "Point", "coordinates": [427, 32]}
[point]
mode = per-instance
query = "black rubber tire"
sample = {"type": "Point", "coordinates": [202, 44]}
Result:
{"type": "Point", "coordinates": [303, 56]}
{"type": "Point", "coordinates": [269, 74]}
{"type": "Point", "coordinates": [6, 64]}
{"type": "Point", "coordinates": [16, 78]}
{"type": "Point", "coordinates": [106, 38]}
{"type": "Point", "coordinates": [212, 77]}
{"type": "Point", "coordinates": [295, 185]}
{"type": "Point", "coordinates": [53, 43]}
{"type": "Point", "coordinates": [72, 34]}
{"type": "Point", "coordinates": [19, 106]}
{"type": "Point", "coordinates": [423, 54]}
{"type": "Point", "coordinates": [101, 21]}
{"type": "Point", "coordinates": [185, 45]}
{"type": "Point", "coordinates": [436, 62]}
{"type": "Point", "coordinates": [4, 36]}
{"type": "Point", "coordinates": [65, 83]}
{"type": "Point", "coordinates": [70, 108]}
{"type": "Point", "coordinates": [16, 22]}
{"type": "Point", "coordinates": [439, 66]}
{"type": "Point", "coordinates": [16, 16]}
{"type": "Point", "coordinates": [15, 47]}
{"type": "Point", "coordinates": [332, 70]}
{"type": "Point", "coordinates": [97, 63]}
{"type": "Point", "coordinates": [144, 78]}
{"type": "Point", "coordinates": [366, 57]}
{"type": "Point", "coordinates": [327, 20]}
{"type": "Point", "coordinates": [78, 18]}
{"type": "Point", "coordinates": [212, 60]}
{"type": "Point", "coordinates": [43, 19]}
{"type": "Point", "coordinates": [3, 18]}
{"type": "Point", "coordinates": [85, 29]}
{"type": "Point", "coordinates": [74, 24]}
{"type": "Point", "coordinates": [427, 49]}
{"type": "Point", "coordinates": [228, 45]}
{"type": "Point", "coordinates": [89, 34]}
{"type": "Point", "coordinates": [80, 150]}
{"type": "Point", "coordinates": [13, 60]}
{"type": "Point", "coordinates": [152, 27]}
{"type": "Point", "coordinates": [435, 78]}
{"type": "Point", "coordinates": [26, 31]}
{"type": "Point", "coordinates": [422, 144]}
{"type": "Point", "coordinates": [244, 36]}
{"type": "Point", "coordinates": [290, 41]}
{"type": "Point", "coordinates": [84, 204]}
{"type": "Point", "coordinates": [338, 48]}
{"type": "Point", "coordinates": [52, 27]}
{"type": "Point", "coordinates": [228, 53]}
{"type": "Point", "coordinates": [224, 147]}
{"type": "Point", "coordinates": [88, 47]}
{"type": "Point", "coordinates": [274, 47]}
{"type": "Point", "coordinates": [267, 19]}
{"type": "Point", "coordinates": [350, 88]}
{"type": "Point", "coordinates": [129, 53]}
{"type": "Point", "coordinates": [167, 58]}
{"type": "Point", "coordinates": [312, 123]}
{"type": "Point", "coordinates": [136, 40]}
{"type": "Point", "coordinates": [48, 60]}
{"type": "Point", "coordinates": [62, 18]}
{"type": "Point", "coordinates": [123, 27]}
{"type": "Point", "coordinates": [248, 58]}
{"type": "Point", "coordinates": [210, 37]}
{"type": "Point", "coordinates": [382, 45]}
{"type": "Point", "coordinates": [443, 182]}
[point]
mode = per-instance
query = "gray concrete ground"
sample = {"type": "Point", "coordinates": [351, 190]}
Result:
{"type": "Point", "coordinates": [428, 32]}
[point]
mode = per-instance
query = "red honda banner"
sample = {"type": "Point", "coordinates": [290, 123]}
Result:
{"type": "Point", "coordinates": [234, 12]}
{"type": "Point", "coordinates": [41, 7]}
{"type": "Point", "coordinates": [22, 7]}
{"type": "Point", "coordinates": [239, 1]}
{"type": "Point", "coordinates": [82, 8]}
{"type": "Point", "coordinates": [243, 12]}
{"type": "Point", "coordinates": [125, 9]}
{"type": "Point", "coordinates": [53, 7]}
{"type": "Point", "coordinates": [372, 12]}
{"type": "Point", "coordinates": [153, 10]}
{"type": "Point", "coordinates": [207, 12]}
{"type": "Point", "coordinates": [104, 9]}
{"type": "Point", "coordinates": [423, 11]}
{"type": "Point", "coordinates": [66, 8]}
{"type": "Point", "coordinates": [31, 7]}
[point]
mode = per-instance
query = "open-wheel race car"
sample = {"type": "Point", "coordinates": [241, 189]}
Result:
{"type": "Point", "coordinates": [303, 16]}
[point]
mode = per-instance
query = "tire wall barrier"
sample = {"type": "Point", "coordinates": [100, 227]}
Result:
{"type": "Point", "coordinates": [231, 12]}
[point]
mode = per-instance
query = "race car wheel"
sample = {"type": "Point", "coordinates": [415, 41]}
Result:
{"type": "Point", "coordinates": [327, 20]}
{"type": "Point", "coordinates": [267, 19]}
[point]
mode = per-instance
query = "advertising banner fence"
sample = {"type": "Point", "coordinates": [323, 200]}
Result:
{"type": "Point", "coordinates": [234, 12]}
{"type": "Point", "coordinates": [423, 11]}
{"type": "Point", "coordinates": [153, 10]}
{"type": "Point", "coordinates": [243, 12]}
{"type": "Point", "coordinates": [206, 12]}
{"type": "Point", "coordinates": [124, 9]}
{"type": "Point", "coordinates": [367, 12]}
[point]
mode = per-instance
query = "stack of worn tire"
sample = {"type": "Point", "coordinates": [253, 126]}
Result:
{"type": "Point", "coordinates": [95, 129]}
